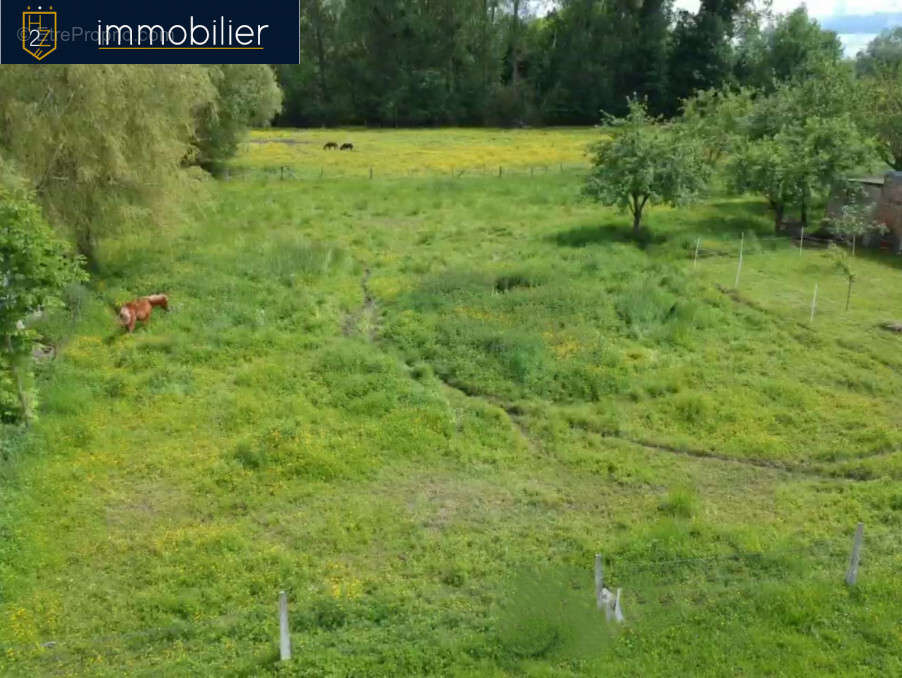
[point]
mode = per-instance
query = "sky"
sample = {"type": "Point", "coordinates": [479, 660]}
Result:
{"type": "Point", "coordinates": [856, 21]}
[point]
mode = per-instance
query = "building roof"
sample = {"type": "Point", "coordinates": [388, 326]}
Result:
{"type": "Point", "coordinates": [871, 181]}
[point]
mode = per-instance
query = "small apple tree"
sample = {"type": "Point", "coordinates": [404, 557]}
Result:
{"type": "Point", "coordinates": [644, 161]}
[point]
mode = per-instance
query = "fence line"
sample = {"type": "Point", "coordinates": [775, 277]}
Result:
{"type": "Point", "coordinates": [852, 557]}
{"type": "Point", "coordinates": [312, 173]}
{"type": "Point", "coordinates": [834, 547]}
{"type": "Point", "coordinates": [876, 549]}
{"type": "Point", "coordinates": [174, 628]}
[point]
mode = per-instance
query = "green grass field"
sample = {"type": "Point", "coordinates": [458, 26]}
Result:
{"type": "Point", "coordinates": [420, 405]}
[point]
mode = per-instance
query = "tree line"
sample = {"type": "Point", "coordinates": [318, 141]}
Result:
{"type": "Point", "coordinates": [497, 62]}
{"type": "Point", "coordinates": [791, 141]}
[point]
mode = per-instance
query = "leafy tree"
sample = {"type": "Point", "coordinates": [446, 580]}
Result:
{"type": "Point", "coordinates": [702, 54]}
{"type": "Point", "coordinates": [718, 119]}
{"type": "Point", "coordinates": [881, 112]}
{"type": "Point", "coordinates": [646, 53]}
{"type": "Point", "coordinates": [785, 50]}
{"type": "Point", "coordinates": [760, 166]}
{"type": "Point", "coordinates": [35, 266]}
{"type": "Point", "coordinates": [583, 43]}
{"type": "Point", "coordinates": [247, 95]}
{"type": "Point", "coordinates": [102, 145]}
{"type": "Point", "coordinates": [645, 161]}
{"type": "Point", "coordinates": [795, 146]}
{"type": "Point", "coordinates": [882, 53]}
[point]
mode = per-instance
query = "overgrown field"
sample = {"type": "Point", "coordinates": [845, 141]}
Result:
{"type": "Point", "coordinates": [420, 405]}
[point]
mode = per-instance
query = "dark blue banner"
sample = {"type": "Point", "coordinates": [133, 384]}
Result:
{"type": "Point", "coordinates": [193, 31]}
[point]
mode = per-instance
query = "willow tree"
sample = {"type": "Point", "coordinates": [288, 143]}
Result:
{"type": "Point", "coordinates": [247, 95]}
{"type": "Point", "coordinates": [102, 145]}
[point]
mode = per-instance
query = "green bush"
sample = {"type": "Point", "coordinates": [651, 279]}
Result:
{"type": "Point", "coordinates": [36, 267]}
{"type": "Point", "coordinates": [550, 614]}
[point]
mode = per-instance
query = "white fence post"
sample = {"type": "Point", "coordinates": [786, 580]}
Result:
{"type": "Point", "coordinates": [604, 598]}
{"type": "Point", "coordinates": [813, 302]}
{"type": "Point", "coordinates": [739, 268]}
{"type": "Point", "coordinates": [618, 613]}
{"type": "Point", "coordinates": [284, 634]}
{"type": "Point", "coordinates": [698, 242]}
{"type": "Point", "coordinates": [599, 581]}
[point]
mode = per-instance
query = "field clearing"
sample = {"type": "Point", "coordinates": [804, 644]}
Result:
{"type": "Point", "coordinates": [421, 405]}
{"type": "Point", "coordinates": [417, 152]}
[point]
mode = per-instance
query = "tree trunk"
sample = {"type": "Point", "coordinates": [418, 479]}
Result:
{"type": "Point", "coordinates": [636, 209]}
{"type": "Point", "coordinates": [84, 242]}
{"type": "Point", "coordinates": [320, 49]}
{"type": "Point", "coordinates": [514, 42]}
{"type": "Point", "coordinates": [778, 215]}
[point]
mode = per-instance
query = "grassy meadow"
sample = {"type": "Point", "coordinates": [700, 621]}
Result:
{"type": "Point", "coordinates": [417, 153]}
{"type": "Point", "coordinates": [421, 404]}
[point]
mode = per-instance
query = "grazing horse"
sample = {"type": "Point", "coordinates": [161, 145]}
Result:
{"type": "Point", "coordinates": [330, 146]}
{"type": "Point", "coordinates": [348, 146]}
{"type": "Point", "coordinates": [140, 309]}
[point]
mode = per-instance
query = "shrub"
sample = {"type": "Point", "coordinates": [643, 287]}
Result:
{"type": "Point", "coordinates": [679, 503]}
{"type": "Point", "coordinates": [35, 268]}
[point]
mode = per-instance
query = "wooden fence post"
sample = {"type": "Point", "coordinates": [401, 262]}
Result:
{"type": "Point", "coordinates": [852, 573]}
{"type": "Point", "coordinates": [801, 241]}
{"type": "Point", "coordinates": [698, 242]}
{"type": "Point", "coordinates": [284, 634]}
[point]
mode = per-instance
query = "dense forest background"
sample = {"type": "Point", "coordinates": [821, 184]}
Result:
{"type": "Point", "coordinates": [509, 62]}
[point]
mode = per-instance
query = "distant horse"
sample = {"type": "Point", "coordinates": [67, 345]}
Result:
{"type": "Point", "coordinates": [347, 146]}
{"type": "Point", "coordinates": [330, 146]}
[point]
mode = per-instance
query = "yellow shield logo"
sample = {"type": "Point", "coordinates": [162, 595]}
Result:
{"type": "Point", "coordinates": [39, 32]}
